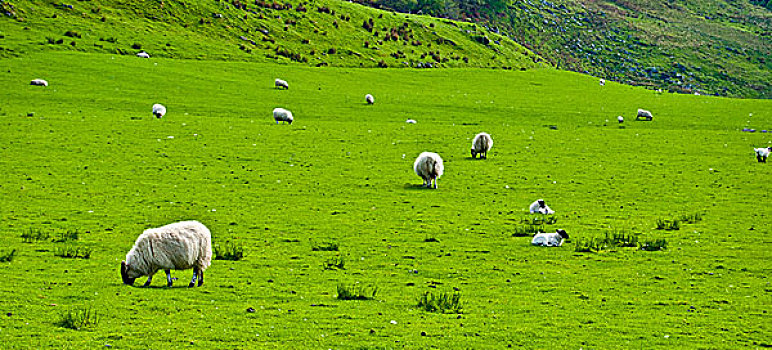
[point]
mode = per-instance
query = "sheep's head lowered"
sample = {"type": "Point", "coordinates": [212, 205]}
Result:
{"type": "Point", "coordinates": [126, 273]}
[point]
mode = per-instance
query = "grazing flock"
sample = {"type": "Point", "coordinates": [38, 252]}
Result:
{"type": "Point", "coordinates": [188, 244]}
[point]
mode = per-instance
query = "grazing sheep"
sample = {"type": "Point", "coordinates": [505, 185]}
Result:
{"type": "Point", "coordinates": [178, 246]}
{"type": "Point", "coordinates": [762, 154]}
{"type": "Point", "coordinates": [540, 207]}
{"type": "Point", "coordinates": [644, 114]}
{"type": "Point", "coordinates": [281, 84]}
{"type": "Point", "coordinates": [481, 144]}
{"type": "Point", "coordinates": [620, 119]}
{"type": "Point", "coordinates": [370, 99]}
{"type": "Point", "coordinates": [554, 239]}
{"type": "Point", "coordinates": [410, 121]}
{"type": "Point", "coordinates": [282, 115]}
{"type": "Point", "coordinates": [602, 82]}
{"type": "Point", "coordinates": [159, 110]}
{"type": "Point", "coordinates": [143, 54]}
{"type": "Point", "coordinates": [429, 167]}
{"type": "Point", "coordinates": [38, 82]}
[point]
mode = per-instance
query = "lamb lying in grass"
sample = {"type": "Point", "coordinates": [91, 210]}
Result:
{"type": "Point", "coordinates": [38, 82]}
{"type": "Point", "coordinates": [539, 207]}
{"type": "Point", "coordinates": [554, 239]}
{"type": "Point", "coordinates": [177, 246]}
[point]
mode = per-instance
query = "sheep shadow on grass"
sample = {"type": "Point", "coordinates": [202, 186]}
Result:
{"type": "Point", "coordinates": [412, 186]}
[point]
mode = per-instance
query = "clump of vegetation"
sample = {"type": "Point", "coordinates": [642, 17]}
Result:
{"type": "Point", "coordinates": [614, 239]}
{"type": "Point", "coordinates": [228, 251]}
{"type": "Point", "coordinates": [66, 236]}
{"type": "Point", "coordinates": [334, 263]}
{"type": "Point", "coordinates": [431, 240]}
{"type": "Point", "coordinates": [7, 257]}
{"type": "Point", "coordinates": [72, 34]}
{"type": "Point", "coordinates": [73, 252]}
{"type": "Point", "coordinates": [33, 235]}
{"type": "Point", "coordinates": [79, 318]}
{"type": "Point", "coordinates": [540, 220]}
{"type": "Point", "coordinates": [326, 247]}
{"type": "Point", "coordinates": [654, 245]}
{"type": "Point", "coordinates": [527, 230]}
{"type": "Point", "coordinates": [690, 218]}
{"type": "Point", "coordinates": [446, 303]}
{"type": "Point", "coordinates": [592, 245]}
{"type": "Point", "coordinates": [668, 225]}
{"type": "Point", "coordinates": [356, 292]}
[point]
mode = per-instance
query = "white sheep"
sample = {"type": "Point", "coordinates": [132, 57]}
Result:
{"type": "Point", "coordinates": [159, 110]}
{"type": "Point", "coordinates": [369, 99]}
{"type": "Point", "coordinates": [481, 144]}
{"type": "Point", "coordinates": [762, 154]}
{"type": "Point", "coordinates": [410, 121]}
{"type": "Point", "coordinates": [178, 246]}
{"type": "Point", "coordinates": [143, 54]}
{"type": "Point", "coordinates": [620, 119]}
{"type": "Point", "coordinates": [553, 239]}
{"type": "Point", "coordinates": [539, 207]}
{"type": "Point", "coordinates": [602, 82]}
{"type": "Point", "coordinates": [282, 115]}
{"type": "Point", "coordinates": [38, 82]}
{"type": "Point", "coordinates": [429, 167]}
{"type": "Point", "coordinates": [644, 114]}
{"type": "Point", "coordinates": [281, 84]}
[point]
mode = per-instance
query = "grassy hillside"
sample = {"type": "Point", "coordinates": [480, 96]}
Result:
{"type": "Point", "coordinates": [85, 155]}
{"type": "Point", "coordinates": [711, 47]}
{"type": "Point", "coordinates": [317, 33]}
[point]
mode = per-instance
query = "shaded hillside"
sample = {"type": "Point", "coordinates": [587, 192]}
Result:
{"type": "Point", "coordinates": [317, 33]}
{"type": "Point", "coordinates": [717, 47]}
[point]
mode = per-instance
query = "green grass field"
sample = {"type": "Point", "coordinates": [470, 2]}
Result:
{"type": "Point", "coordinates": [85, 155]}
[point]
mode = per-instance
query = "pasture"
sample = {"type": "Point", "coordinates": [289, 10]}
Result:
{"type": "Point", "coordinates": [85, 155]}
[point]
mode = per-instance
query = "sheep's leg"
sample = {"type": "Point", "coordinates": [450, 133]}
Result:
{"type": "Point", "coordinates": [200, 277]}
{"type": "Point", "coordinates": [149, 278]}
{"type": "Point", "coordinates": [195, 274]}
{"type": "Point", "coordinates": [435, 182]}
{"type": "Point", "coordinates": [168, 278]}
{"type": "Point", "coordinates": [758, 158]}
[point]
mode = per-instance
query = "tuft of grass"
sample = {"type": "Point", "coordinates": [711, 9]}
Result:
{"type": "Point", "coordinates": [690, 218]}
{"type": "Point", "coordinates": [65, 236]}
{"type": "Point", "coordinates": [592, 245]}
{"type": "Point", "coordinates": [34, 235]}
{"type": "Point", "coordinates": [73, 252]}
{"type": "Point", "coordinates": [228, 251]}
{"type": "Point", "coordinates": [334, 263]}
{"type": "Point", "coordinates": [540, 220]}
{"type": "Point", "coordinates": [78, 319]}
{"type": "Point", "coordinates": [668, 225]}
{"type": "Point", "coordinates": [654, 245]}
{"type": "Point", "coordinates": [446, 303]}
{"type": "Point", "coordinates": [326, 247]}
{"type": "Point", "coordinates": [621, 239]}
{"type": "Point", "coordinates": [431, 240]}
{"type": "Point", "coordinates": [527, 230]}
{"type": "Point", "coordinates": [614, 239]}
{"type": "Point", "coordinates": [7, 257]}
{"type": "Point", "coordinates": [356, 292]}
